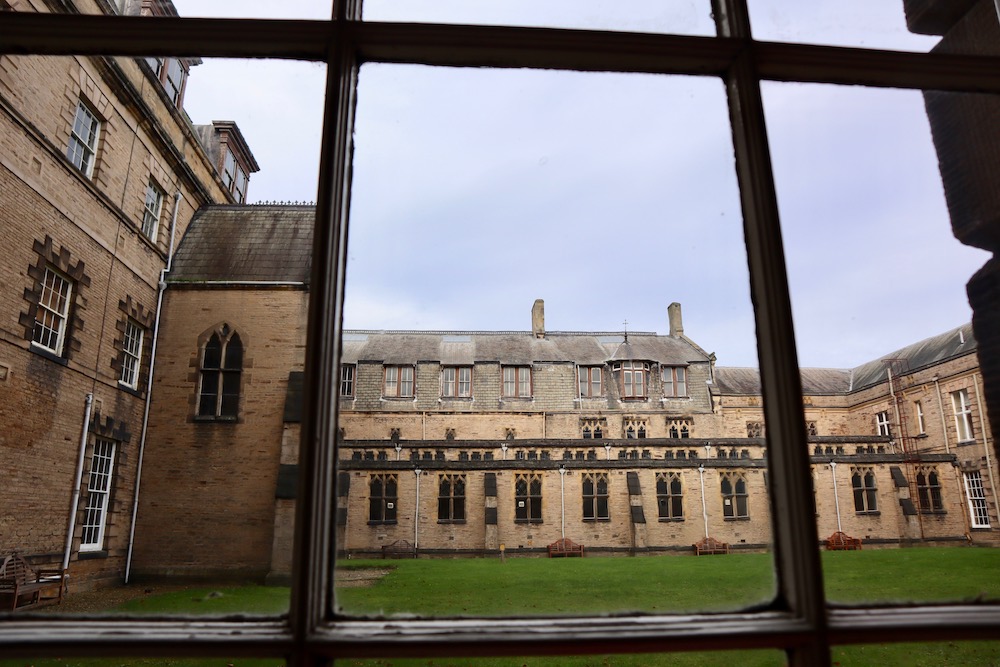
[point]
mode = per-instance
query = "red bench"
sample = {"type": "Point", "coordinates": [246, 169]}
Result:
{"type": "Point", "coordinates": [709, 546]}
{"type": "Point", "coordinates": [565, 547]}
{"type": "Point", "coordinates": [841, 541]}
{"type": "Point", "coordinates": [21, 586]}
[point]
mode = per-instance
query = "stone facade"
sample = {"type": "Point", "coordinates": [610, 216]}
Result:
{"type": "Point", "coordinates": [92, 154]}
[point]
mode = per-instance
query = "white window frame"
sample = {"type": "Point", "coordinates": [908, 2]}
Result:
{"type": "Point", "coordinates": [132, 339]}
{"type": "Point", "coordinates": [348, 375]}
{"type": "Point", "coordinates": [798, 622]}
{"type": "Point", "coordinates": [95, 511]}
{"type": "Point", "coordinates": [963, 415]}
{"type": "Point", "coordinates": [975, 494]}
{"type": "Point", "coordinates": [84, 137]}
{"type": "Point", "coordinates": [52, 319]}
{"type": "Point", "coordinates": [882, 424]}
{"type": "Point", "coordinates": [152, 209]}
{"type": "Point", "coordinates": [918, 406]}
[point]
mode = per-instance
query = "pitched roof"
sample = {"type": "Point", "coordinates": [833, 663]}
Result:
{"type": "Point", "coordinates": [515, 347]}
{"type": "Point", "coordinates": [246, 243]}
{"type": "Point", "coordinates": [817, 381]}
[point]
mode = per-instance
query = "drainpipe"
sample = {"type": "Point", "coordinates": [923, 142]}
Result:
{"type": "Point", "coordinates": [74, 503]}
{"type": "Point", "coordinates": [562, 498]}
{"type": "Point", "coordinates": [944, 424]}
{"type": "Point", "coordinates": [895, 409]}
{"type": "Point", "coordinates": [416, 511]}
{"type": "Point", "coordinates": [982, 420]}
{"type": "Point", "coordinates": [160, 288]}
{"type": "Point", "coordinates": [836, 496]}
{"type": "Point", "coordinates": [704, 507]}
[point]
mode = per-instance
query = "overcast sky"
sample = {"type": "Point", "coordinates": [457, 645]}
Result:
{"type": "Point", "coordinates": [610, 196]}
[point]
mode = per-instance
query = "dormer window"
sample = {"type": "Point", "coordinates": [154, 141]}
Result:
{"type": "Point", "coordinates": [633, 379]}
{"type": "Point", "coordinates": [234, 178]}
{"type": "Point", "coordinates": [232, 157]}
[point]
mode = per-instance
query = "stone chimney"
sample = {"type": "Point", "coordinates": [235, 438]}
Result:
{"type": "Point", "coordinates": [538, 319]}
{"type": "Point", "coordinates": [676, 325]}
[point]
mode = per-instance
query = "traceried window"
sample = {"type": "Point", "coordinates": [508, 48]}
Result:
{"type": "Point", "coordinates": [151, 211]}
{"type": "Point", "coordinates": [451, 499]}
{"type": "Point", "coordinates": [398, 382]}
{"type": "Point", "coordinates": [528, 498]}
{"type": "Point", "coordinates": [593, 428]}
{"type": "Point", "coordinates": [221, 371]}
{"type": "Point", "coordinates": [679, 428]}
{"type": "Point", "coordinates": [865, 490]}
{"type": "Point", "coordinates": [590, 381]}
{"type": "Point", "coordinates": [52, 314]}
{"type": "Point", "coordinates": [635, 429]}
{"type": "Point", "coordinates": [517, 381]}
{"type": "Point", "coordinates": [963, 415]}
{"type": "Point", "coordinates": [735, 501]}
{"type": "Point", "coordinates": [929, 490]}
{"type": "Point", "coordinates": [83, 139]}
{"type": "Point", "coordinates": [131, 353]}
{"type": "Point", "coordinates": [755, 429]}
{"type": "Point", "coordinates": [669, 496]}
{"type": "Point", "coordinates": [918, 408]}
{"type": "Point", "coordinates": [95, 513]}
{"type": "Point", "coordinates": [633, 379]}
{"type": "Point", "coordinates": [595, 497]}
{"type": "Point", "coordinates": [979, 510]}
{"type": "Point", "coordinates": [456, 382]}
{"type": "Point", "coordinates": [882, 426]}
{"type": "Point", "coordinates": [347, 372]}
{"type": "Point", "coordinates": [382, 491]}
{"type": "Point", "coordinates": [675, 381]}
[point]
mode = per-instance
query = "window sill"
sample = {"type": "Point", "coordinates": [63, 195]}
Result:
{"type": "Point", "coordinates": [398, 398]}
{"type": "Point", "coordinates": [529, 522]}
{"type": "Point", "coordinates": [965, 443]}
{"type": "Point", "coordinates": [96, 553]}
{"type": "Point", "coordinates": [736, 518]}
{"type": "Point", "coordinates": [872, 513]}
{"type": "Point", "coordinates": [381, 523]}
{"type": "Point", "coordinates": [453, 522]}
{"type": "Point", "coordinates": [129, 389]}
{"type": "Point", "coordinates": [598, 520]}
{"type": "Point", "coordinates": [456, 399]}
{"type": "Point", "coordinates": [671, 520]}
{"type": "Point", "coordinates": [48, 354]}
{"type": "Point", "coordinates": [933, 512]}
{"type": "Point", "coordinates": [204, 419]}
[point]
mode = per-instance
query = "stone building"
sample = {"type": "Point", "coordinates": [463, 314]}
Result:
{"type": "Point", "coordinates": [628, 443]}
{"type": "Point", "coordinates": [100, 172]}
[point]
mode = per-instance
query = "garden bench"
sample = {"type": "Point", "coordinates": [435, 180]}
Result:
{"type": "Point", "coordinates": [841, 541]}
{"type": "Point", "coordinates": [565, 547]}
{"type": "Point", "coordinates": [21, 586]}
{"type": "Point", "coordinates": [707, 546]}
{"type": "Point", "coordinates": [399, 549]}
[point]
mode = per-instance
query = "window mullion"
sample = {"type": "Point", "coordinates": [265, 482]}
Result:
{"type": "Point", "coordinates": [800, 579]}
{"type": "Point", "coordinates": [311, 596]}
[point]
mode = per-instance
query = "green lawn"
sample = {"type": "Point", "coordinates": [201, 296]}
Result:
{"type": "Point", "coordinates": [476, 587]}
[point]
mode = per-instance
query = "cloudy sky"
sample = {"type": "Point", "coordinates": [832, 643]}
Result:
{"type": "Point", "coordinates": [477, 191]}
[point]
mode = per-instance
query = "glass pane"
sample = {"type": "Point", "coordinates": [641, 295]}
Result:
{"type": "Point", "coordinates": [252, 9]}
{"type": "Point", "coordinates": [858, 23]}
{"type": "Point", "coordinates": [682, 17]}
{"type": "Point", "coordinates": [499, 169]}
{"type": "Point", "coordinates": [882, 320]}
{"type": "Point", "coordinates": [192, 520]}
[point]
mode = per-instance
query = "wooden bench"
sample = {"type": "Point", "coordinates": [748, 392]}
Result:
{"type": "Point", "coordinates": [841, 541]}
{"type": "Point", "coordinates": [399, 549]}
{"type": "Point", "coordinates": [21, 586]}
{"type": "Point", "coordinates": [565, 547]}
{"type": "Point", "coordinates": [708, 546]}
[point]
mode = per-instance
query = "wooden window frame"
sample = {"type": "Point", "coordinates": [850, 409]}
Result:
{"type": "Point", "coordinates": [798, 621]}
{"type": "Point", "coordinates": [60, 317]}
{"type": "Point", "coordinates": [527, 502]}
{"type": "Point", "coordinates": [383, 507]}
{"type": "Point", "coordinates": [132, 341]}
{"type": "Point", "coordinates": [223, 375]}
{"type": "Point", "coordinates": [929, 497]}
{"type": "Point", "coordinates": [518, 382]}
{"type": "Point", "coordinates": [94, 521]}
{"type": "Point", "coordinates": [451, 504]}
{"type": "Point", "coordinates": [589, 377]}
{"type": "Point", "coordinates": [738, 507]}
{"type": "Point", "coordinates": [152, 209]}
{"type": "Point", "coordinates": [627, 373]}
{"type": "Point", "coordinates": [456, 391]}
{"type": "Point", "coordinates": [348, 382]}
{"type": "Point", "coordinates": [397, 373]}
{"type": "Point", "coordinates": [675, 378]}
{"type": "Point", "coordinates": [883, 425]}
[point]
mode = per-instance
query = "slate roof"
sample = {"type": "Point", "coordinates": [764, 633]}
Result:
{"type": "Point", "coordinates": [819, 381]}
{"type": "Point", "coordinates": [515, 347]}
{"type": "Point", "coordinates": [246, 243]}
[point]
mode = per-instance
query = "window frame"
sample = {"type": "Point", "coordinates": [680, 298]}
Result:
{"type": "Point", "coordinates": [519, 382]}
{"type": "Point", "coordinates": [456, 382]}
{"type": "Point", "coordinates": [798, 621]}
{"type": "Point", "coordinates": [628, 371]}
{"type": "Point", "coordinates": [222, 410]}
{"type": "Point", "coordinates": [451, 504]}
{"type": "Point", "coordinates": [152, 211]}
{"type": "Point", "coordinates": [678, 381]}
{"type": "Point", "coordinates": [596, 504]}
{"type": "Point", "coordinates": [94, 521]}
{"type": "Point", "coordinates": [387, 503]}
{"type": "Point", "coordinates": [929, 497]}
{"type": "Point", "coordinates": [865, 493]}
{"type": "Point", "coordinates": [528, 504]}
{"type": "Point", "coordinates": [349, 382]}
{"type": "Point", "coordinates": [82, 151]}
{"type": "Point", "coordinates": [586, 385]}
{"type": "Point", "coordinates": [883, 424]}
{"type": "Point", "coordinates": [962, 409]}
{"type": "Point", "coordinates": [975, 495]}
{"type": "Point", "coordinates": [738, 507]}
{"type": "Point", "coordinates": [133, 338]}
{"type": "Point", "coordinates": [398, 373]}
{"type": "Point", "coordinates": [60, 317]}
{"type": "Point", "coordinates": [669, 503]}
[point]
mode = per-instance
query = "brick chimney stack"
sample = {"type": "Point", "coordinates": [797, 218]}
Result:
{"type": "Point", "coordinates": [538, 319]}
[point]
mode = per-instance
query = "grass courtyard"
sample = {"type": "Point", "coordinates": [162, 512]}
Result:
{"type": "Point", "coordinates": [481, 587]}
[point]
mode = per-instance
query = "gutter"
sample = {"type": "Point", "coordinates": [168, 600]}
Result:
{"type": "Point", "coordinates": [160, 288]}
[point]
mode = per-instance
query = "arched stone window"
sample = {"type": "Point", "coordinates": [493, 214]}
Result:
{"type": "Point", "coordinates": [220, 371]}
